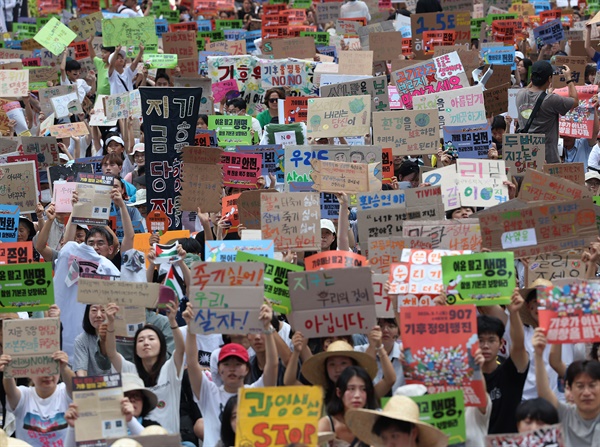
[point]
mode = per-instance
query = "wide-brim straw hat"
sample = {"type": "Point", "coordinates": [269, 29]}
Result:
{"type": "Point", "coordinates": [132, 382]}
{"type": "Point", "coordinates": [315, 371]}
{"type": "Point", "coordinates": [399, 408]}
{"type": "Point", "coordinates": [524, 313]}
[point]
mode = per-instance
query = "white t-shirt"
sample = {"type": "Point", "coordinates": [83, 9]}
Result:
{"type": "Point", "coordinates": [116, 86]}
{"type": "Point", "coordinates": [211, 403]}
{"type": "Point", "coordinates": [168, 392]}
{"type": "Point", "coordinates": [65, 295]}
{"type": "Point", "coordinates": [354, 10]}
{"type": "Point", "coordinates": [41, 422]}
{"type": "Point", "coordinates": [130, 12]}
{"type": "Point", "coordinates": [477, 424]}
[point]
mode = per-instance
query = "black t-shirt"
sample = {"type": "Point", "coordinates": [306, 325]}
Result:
{"type": "Point", "coordinates": [505, 387]}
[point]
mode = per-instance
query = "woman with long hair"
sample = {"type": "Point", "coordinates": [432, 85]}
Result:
{"type": "Point", "coordinates": [160, 375]}
{"type": "Point", "coordinates": [90, 345]}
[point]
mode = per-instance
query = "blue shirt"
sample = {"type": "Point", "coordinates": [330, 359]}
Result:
{"type": "Point", "coordinates": [579, 153]}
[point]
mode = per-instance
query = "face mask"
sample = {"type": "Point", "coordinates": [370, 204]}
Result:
{"type": "Point", "coordinates": [46, 197]}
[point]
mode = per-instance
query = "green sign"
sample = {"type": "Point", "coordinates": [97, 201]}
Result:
{"type": "Point", "coordinates": [476, 28]}
{"type": "Point", "coordinates": [231, 130]}
{"type": "Point", "coordinates": [129, 33]}
{"type": "Point", "coordinates": [55, 36]}
{"type": "Point", "coordinates": [596, 200]}
{"type": "Point", "coordinates": [445, 411]}
{"type": "Point", "coordinates": [275, 279]}
{"type": "Point", "coordinates": [160, 60]}
{"type": "Point", "coordinates": [214, 36]}
{"type": "Point", "coordinates": [321, 38]}
{"type": "Point", "coordinates": [26, 287]}
{"type": "Point", "coordinates": [491, 17]}
{"type": "Point", "coordinates": [24, 30]}
{"type": "Point", "coordinates": [483, 279]}
{"type": "Point", "coordinates": [228, 24]}
{"type": "Point", "coordinates": [170, 15]}
{"type": "Point", "coordinates": [302, 4]}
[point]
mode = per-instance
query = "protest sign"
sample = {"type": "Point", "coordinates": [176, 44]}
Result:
{"type": "Point", "coordinates": [336, 176]}
{"type": "Point", "coordinates": [129, 33]}
{"type": "Point", "coordinates": [298, 47]}
{"type": "Point", "coordinates": [551, 266]}
{"type": "Point", "coordinates": [574, 172]}
{"type": "Point", "coordinates": [220, 89]}
{"type": "Point", "coordinates": [407, 132]}
{"type": "Point", "coordinates": [334, 259]}
{"type": "Point", "coordinates": [339, 117]}
{"type": "Point", "coordinates": [70, 130]}
{"type": "Point", "coordinates": [295, 74]}
{"type": "Point", "coordinates": [445, 411]}
{"type": "Point", "coordinates": [62, 196]}
{"type": "Point", "coordinates": [292, 220]}
{"type": "Point", "coordinates": [332, 302]}
{"type": "Point", "coordinates": [44, 148]}
{"type": "Point", "coordinates": [355, 62]}
{"type": "Point", "coordinates": [226, 297]}
{"type": "Point", "coordinates": [443, 341]}
{"type": "Point", "coordinates": [167, 112]}
{"type": "Point", "coordinates": [229, 211]}
{"type": "Point", "coordinates": [64, 106]}
{"type": "Point", "coordinates": [14, 83]}
{"type": "Point", "coordinates": [272, 154]}
{"type": "Point", "coordinates": [531, 229]}
{"type": "Point", "coordinates": [383, 302]}
{"type": "Point", "coordinates": [327, 12]}
{"type": "Point", "coordinates": [383, 214]}
{"type": "Point", "coordinates": [278, 416]}
{"type": "Point", "coordinates": [538, 185]}
{"type": "Point", "coordinates": [548, 33]}
{"type": "Point", "coordinates": [160, 61]}
{"type": "Point", "coordinates": [98, 400]}
{"type": "Point", "coordinates": [141, 241]}
{"type": "Point", "coordinates": [522, 151]}
{"type": "Point", "coordinates": [248, 204]}
{"type": "Point", "coordinates": [459, 22]}
{"type": "Point", "coordinates": [548, 436]}
{"type": "Point", "coordinates": [418, 276]}
{"type": "Point", "coordinates": [499, 55]}
{"type": "Point", "coordinates": [374, 86]}
{"type": "Point", "coordinates": [31, 343]}
{"type": "Point", "coordinates": [578, 122]}
{"type": "Point", "coordinates": [181, 43]}
{"type": "Point", "coordinates": [463, 234]}
{"type": "Point", "coordinates": [298, 160]}
{"type": "Point", "coordinates": [68, 173]}
{"type": "Point", "coordinates": [294, 110]}
{"type": "Point", "coordinates": [275, 279]}
{"type": "Point", "coordinates": [241, 170]}
{"type": "Point", "coordinates": [123, 293]}
{"type": "Point", "coordinates": [202, 179]}
{"type": "Point", "coordinates": [457, 107]}
{"type": "Point", "coordinates": [468, 141]}
{"type": "Point", "coordinates": [26, 287]}
{"type": "Point", "coordinates": [385, 45]}
{"type": "Point", "coordinates": [43, 74]}
{"type": "Point", "coordinates": [441, 73]}
{"type": "Point", "coordinates": [19, 185]}
{"type": "Point", "coordinates": [46, 94]}
{"type": "Point", "coordinates": [231, 131]}
{"type": "Point", "coordinates": [483, 279]}
{"type": "Point", "coordinates": [568, 311]}
{"type": "Point", "coordinates": [235, 48]}
{"type": "Point", "coordinates": [93, 205]}
{"type": "Point", "coordinates": [55, 36]}
{"type": "Point", "coordinates": [384, 251]}
{"type": "Point", "coordinates": [577, 66]}
{"type": "Point", "coordinates": [226, 250]}
{"type": "Point", "coordinates": [506, 31]}
{"type": "Point", "coordinates": [86, 26]}
{"type": "Point", "coordinates": [123, 105]}
{"type": "Point", "coordinates": [9, 223]}
{"type": "Point", "coordinates": [98, 118]}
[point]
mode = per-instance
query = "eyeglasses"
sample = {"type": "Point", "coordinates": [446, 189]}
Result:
{"type": "Point", "coordinates": [273, 100]}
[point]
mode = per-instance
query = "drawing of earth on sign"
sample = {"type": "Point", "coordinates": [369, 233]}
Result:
{"type": "Point", "coordinates": [422, 120]}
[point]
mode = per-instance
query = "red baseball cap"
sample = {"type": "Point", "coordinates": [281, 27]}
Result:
{"type": "Point", "coordinates": [234, 350]}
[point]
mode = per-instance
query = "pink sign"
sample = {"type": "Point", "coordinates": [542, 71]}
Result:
{"type": "Point", "coordinates": [395, 101]}
{"type": "Point", "coordinates": [220, 89]}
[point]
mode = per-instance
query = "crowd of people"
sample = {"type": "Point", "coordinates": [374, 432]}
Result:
{"type": "Point", "coordinates": [178, 382]}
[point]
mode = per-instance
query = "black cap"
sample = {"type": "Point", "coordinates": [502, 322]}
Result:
{"type": "Point", "coordinates": [540, 72]}
{"type": "Point", "coordinates": [407, 167]}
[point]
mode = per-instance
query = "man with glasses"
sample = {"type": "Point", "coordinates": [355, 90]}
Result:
{"type": "Point", "coordinates": [237, 106]}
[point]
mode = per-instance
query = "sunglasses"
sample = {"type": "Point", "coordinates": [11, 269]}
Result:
{"type": "Point", "coordinates": [273, 100]}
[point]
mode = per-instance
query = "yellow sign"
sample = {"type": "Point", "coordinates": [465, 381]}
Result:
{"type": "Point", "coordinates": [279, 415]}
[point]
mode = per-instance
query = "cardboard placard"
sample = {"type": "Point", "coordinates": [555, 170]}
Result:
{"type": "Point", "coordinates": [226, 297]}
{"type": "Point", "coordinates": [523, 151]}
{"type": "Point", "coordinates": [355, 62]}
{"type": "Point", "coordinates": [44, 148]}
{"type": "Point", "coordinates": [93, 206]}
{"type": "Point", "coordinates": [181, 43]}
{"type": "Point", "coordinates": [385, 251]}
{"type": "Point", "coordinates": [463, 234]}
{"type": "Point", "coordinates": [374, 86]}
{"type": "Point", "coordinates": [573, 172]}
{"type": "Point", "coordinates": [577, 65]}
{"type": "Point", "coordinates": [62, 196]}
{"type": "Point", "coordinates": [123, 105]}
{"type": "Point", "coordinates": [407, 132]}
{"type": "Point", "coordinates": [315, 313]}
{"type": "Point", "coordinates": [292, 220]}
{"type": "Point", "coordinates": [18, 181]}
{"type": "Point", "coordinates": [547, 436]}
{"type": "Point", "coordinates": [385, 46]}
{"type": "Point", "coordinates": [538, 185]}
{"type": "Point", "coordinates": [383, 214]}
{"type": "Point", "coordinates": [334, 176]}
{"type": "Point", "coordinates": [123, 293]}
{"type": "Point", "coordinates": [98, 400]}
{"type": "Point", "coordinates": [496, 99]}
{"type": "Point", "coordinates": [31, 344]}
{"type": "Point", "coordinates": [298, 47]}
{"type": "Point", "coordinates": [334, 259]}
{"type": "Point", "coordinates": [69, 130]}
{"type": "Point", "coordinates": [14, 83]}
{"type": "Point", "coordinates": [532, 229]}
{"type": "Point", "coordinates": [202, 179]}
{"type": "Point", "coordinates": [553, 266]}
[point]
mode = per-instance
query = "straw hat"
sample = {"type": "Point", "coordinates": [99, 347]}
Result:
{"type": "Point", "coordinates": [526, 316]}
{"type": "Point", "coordinates": [399, 408]}
{"type": "Point", "coordinates": [314, 369]}
{"type": "Point", "coordinates": [6, 441]}
{"type": "Point", "coordinates": [152, 430]}
{"type": "Point", "coordinates": [132, 382]}
{"type": "Point", "coordinates": [126, 442]}
{"type": "Point", "coordinates": [325, 437]}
